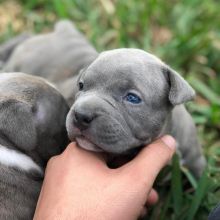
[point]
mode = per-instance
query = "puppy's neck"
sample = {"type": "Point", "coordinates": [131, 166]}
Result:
{"type": "Point", "coordinates": [166, 129]}
{"type": "Point", "coordinates": [20, 161]}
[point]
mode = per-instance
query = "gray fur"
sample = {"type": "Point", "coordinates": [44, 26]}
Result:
{"type": "Point", "coordinates": [57, 56]}
{"type": "Point", "coordinates": [32, 121]}
{"type": "Point", "coordinates": [118, 126]}
{"type": "Point", "coordinates": [101, 119]}
{"type": "Point", "coordinates": [7, 48]}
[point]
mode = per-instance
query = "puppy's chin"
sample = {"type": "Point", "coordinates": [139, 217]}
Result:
{"type": "Point", "coordinates": [87, 145]}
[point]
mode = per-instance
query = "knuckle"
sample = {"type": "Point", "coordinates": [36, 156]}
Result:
{"type": "Point", "coordinates": [52, 161]}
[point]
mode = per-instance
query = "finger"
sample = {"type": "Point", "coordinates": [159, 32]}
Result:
{"type": "Point", "coordinates": [152, 198]}
{"type": "Point", "coordinates": [77, 153]}
{"type": "Point", "coordinates": [143, 212]}
{"type": "Point", "coordinates": [147, 164]}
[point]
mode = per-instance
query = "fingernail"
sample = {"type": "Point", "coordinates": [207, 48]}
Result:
{"type": "Point", "coordinates": [169, 141]}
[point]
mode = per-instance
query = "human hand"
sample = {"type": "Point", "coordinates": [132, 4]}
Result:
{"type": "Point", "coordinates": [79, 185]}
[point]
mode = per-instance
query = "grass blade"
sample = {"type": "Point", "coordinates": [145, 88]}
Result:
{"type": "Point", "coordinates": [190, 177]}
{"type": "Point", "coordinates": [176, 185]}
{"type": "Point", "coordinates": [204, 90]}
{"type": "Point", "coordinates": [60, 8]}
{"type": "Point", "coordinates": [198, 196]}
{"type": "Point", "coordinates": [165, 208]}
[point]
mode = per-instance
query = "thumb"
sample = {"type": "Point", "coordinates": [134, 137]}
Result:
{"type": "Point", "coordinates": [148, 163]}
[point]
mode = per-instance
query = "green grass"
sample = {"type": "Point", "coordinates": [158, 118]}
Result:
{"type": "Point", "coordinates": [186, 35]}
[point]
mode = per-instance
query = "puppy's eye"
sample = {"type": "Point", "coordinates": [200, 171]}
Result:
{"type": "Point", "coordinates": [133, 98]}
{"type": "Point", "coordinates": [81, 85]}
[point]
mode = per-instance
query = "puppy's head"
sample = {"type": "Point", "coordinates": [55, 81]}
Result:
{"type": "Point", "coordinates": [57, 55]}
{"type": "Point", "coordinates": [124, 99]}
{"type": "Point", "coordinates": [32, 116]}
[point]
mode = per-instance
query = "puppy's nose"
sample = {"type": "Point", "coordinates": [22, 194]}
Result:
{"type": "Point", "coordinates": [82, 119]}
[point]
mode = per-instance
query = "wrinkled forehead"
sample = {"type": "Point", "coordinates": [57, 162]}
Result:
{"type": "Point", "coordinates": [120, 58]}
{"type": "Point", "coordinates": [125, 67]}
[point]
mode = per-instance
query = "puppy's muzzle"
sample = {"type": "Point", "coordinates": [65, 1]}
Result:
{"type": "Point", "coordinates": [82, 119]}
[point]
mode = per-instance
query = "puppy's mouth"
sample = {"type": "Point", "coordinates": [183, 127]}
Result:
{"type": "Point", "coordinates": [87, 144]}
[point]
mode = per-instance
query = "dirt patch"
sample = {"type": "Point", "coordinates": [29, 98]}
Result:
{"type": "Point", "coordinates": [11, 16]}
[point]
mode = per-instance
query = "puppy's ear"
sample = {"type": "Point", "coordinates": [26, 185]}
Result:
{"type": "Point", "coordinates": [64, 26]}
{"type": "Point", "coordinates": [16, 124]}
{"type": "Point", "coordinates": [180, 90]}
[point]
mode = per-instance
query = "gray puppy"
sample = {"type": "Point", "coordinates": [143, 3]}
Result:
{"type": "Point", "coordinates": [57, 56]}
{"type": "Point", "coordinates": [126, 99]}
{"type": "Point", "coordinates": [123, 125]}
{"type": "Point", "coordinates": [32, 129]}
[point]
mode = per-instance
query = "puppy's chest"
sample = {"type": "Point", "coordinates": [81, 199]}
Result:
{"type": "Point", "coordinates": [18, 194]}
{"type": "Point", "coordinates": [20, 183]}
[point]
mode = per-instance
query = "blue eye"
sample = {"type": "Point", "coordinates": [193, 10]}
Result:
{"type": "Point", "coordinates": [133, 98]}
